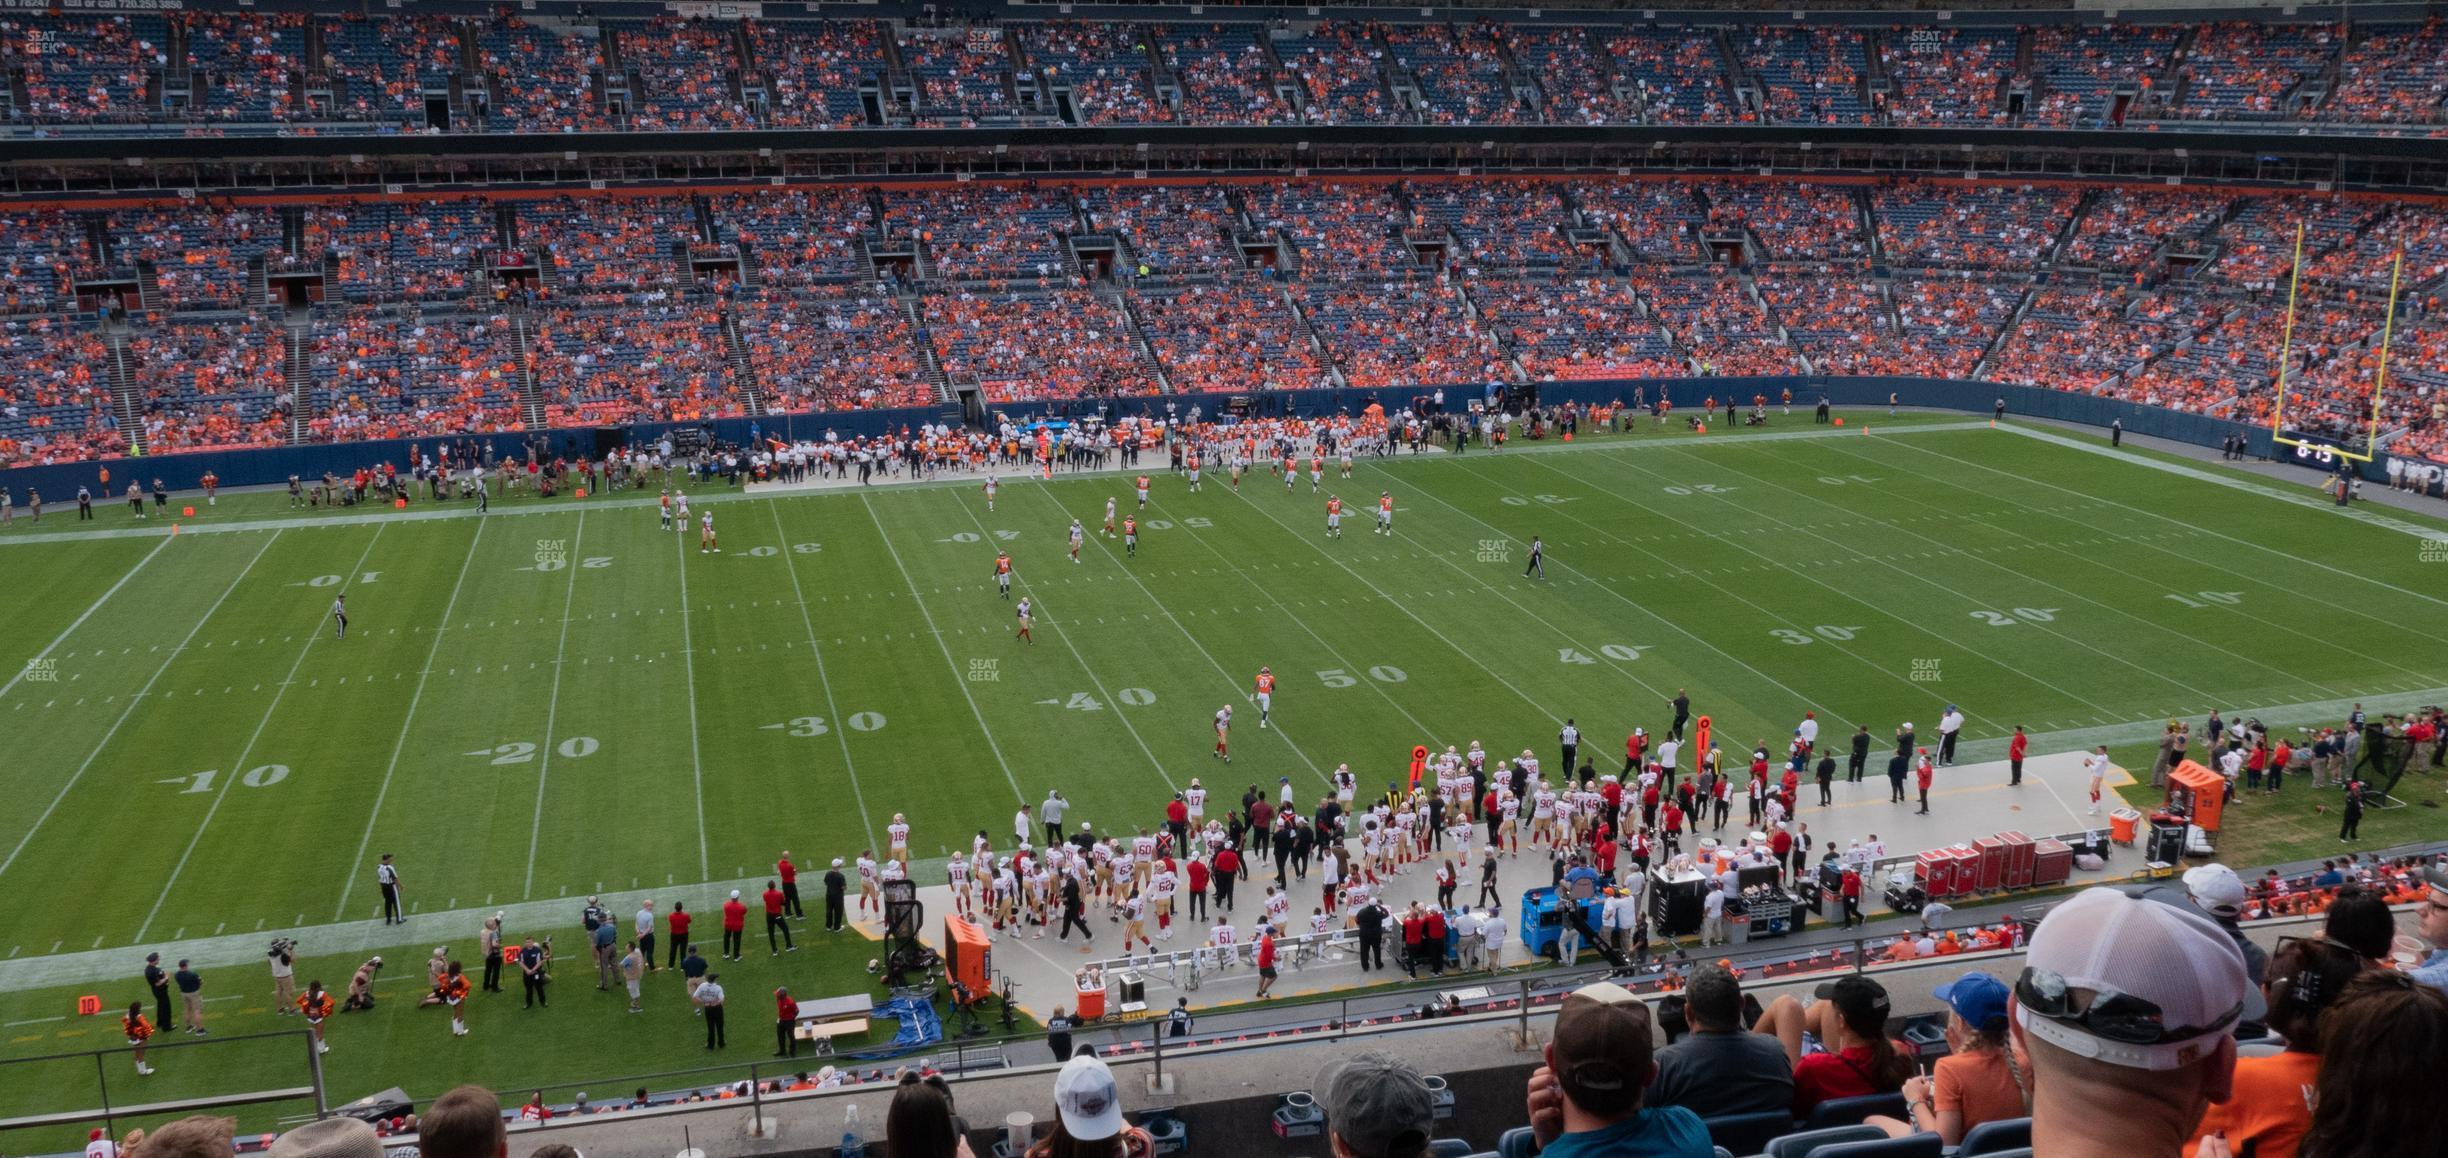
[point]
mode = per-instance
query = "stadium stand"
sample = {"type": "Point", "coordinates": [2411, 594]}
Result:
{"type": "Point", "coordinates": [1228, 337]}
{"type": "Point", "coordinates": [656, 363]}
{"type": "Point", "coordinates": [85, 69]}
{"type": "Point", "coordinates": [1025, 346]}
{"type": "Point", "coordinates": [1340, 75]}
{"type": "Point", "coordinates": [689, 71]}
{"type": "Point", "coordinates": [1585, 327]}
{"type": "Point", "coordinates": [1175, 231]}
{"type": "Point", "coordinates": [242, 63]}
{"type": "Point", "coordinates": [2398, 74]}
{"type": "Point", "coordinates": [1460, 73]}
{"type": "Point", "coordinates": [2122, 232]}
{"type": "Point", "coordinates": [43, 248]}
{"type": "Point", "coordinates": [209, 385]}
{"type": "Point", "coordinates": [1678, 75]}
{"type": "Point", "coordinates": [1105, 67]}
{"type": "Point", "coordinates": [833, 348]}
{"type": "Point", "coordinates": [541, 79]}
{"type": "Point", "coordinates": [1572, 77]}
{"type": "Point", "coordinates": [1717, 323]}
{"type": "Point", "coordinates": [798, 236]}
{"type": "Point", "coordinates": [380, 70]}
{"type": "Point", "coordinates": [1793, 222]}
{"type": "Point", "coordinates": [53, 405]}
{"type": "Point", "coordinates": [1339, 229]}
{"type": "Point", "coordinates": [964, 78]}
{"type": "Point", "coordinates": [1972, 227]}
{"type": "Point", "coordinates": [815, 71]}
{"type": "Point", "coordinates": [1397, 333]}
{"type": "Point", "coordinates": [1498, 224]}
{"type": "Point", "coordinates": [1812, 75]}
{"type": "Point", "coordinates": [2080, 71]}
{"type": "Point", "coordinates": [1948, 76]}
{"type": "Point", "coordinates": [1225, 76]}
{"type": "Point", "coordinates": [995, 233]}
{"type": "Point", "coordinates": [2236, 70]}
{"type": "Point", "coordinates": [409, 375]}
{"type": "Point", "coordinates": [200, 254]}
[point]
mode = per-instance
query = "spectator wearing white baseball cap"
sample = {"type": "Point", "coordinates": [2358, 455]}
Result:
{"type": "Point", "coordinates": [2127, 1009]}
{"type": "Point", "coordinates": [1088, 1116]}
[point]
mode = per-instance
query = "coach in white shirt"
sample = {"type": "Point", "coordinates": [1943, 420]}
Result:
{"type": "Point", "coordinates": [1949, 726]}
{"type": "Point", "coordinates": [1466, 937]}
{"type": "Point", "coordinates": [1808, 730]}
{"type": "Point", "coordinates": [1492, 930]}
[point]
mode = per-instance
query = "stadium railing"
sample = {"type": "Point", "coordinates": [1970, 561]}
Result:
{"type": "Point", "coordinates": [110, 1112]}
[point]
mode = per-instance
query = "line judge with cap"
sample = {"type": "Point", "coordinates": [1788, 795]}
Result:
{"type": "Point", "coordinates": [2127, 1008]}
{"type": "Point", "coordinates": [1586, 1101]}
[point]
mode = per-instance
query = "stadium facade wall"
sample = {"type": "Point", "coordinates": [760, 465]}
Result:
{"type": "Point", "coordinates": [264, 466]}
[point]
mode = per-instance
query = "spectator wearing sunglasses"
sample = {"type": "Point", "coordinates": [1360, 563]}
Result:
{"type": "Point", "coordinates": [2127, 1009]}
{"type": "Point", "coordinates": [2272, 1103]}
{"type": "Point", "coordinates": [2432, 925]}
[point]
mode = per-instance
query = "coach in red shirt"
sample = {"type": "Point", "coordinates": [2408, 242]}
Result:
{"type": "Point", "coordinates": [1227, 868]}
{"type": "Point", "coordinates": [735, 922]}
{"type": "Point", "coordinates": [786, 1017]}
{"type": "Point", "coordinates": [679, 921]}
{"type": "Point", "coordinates": [790, 885]}
{"type": "Point", "coordinates": [1198, 889]}
{"type": "Point", "coordinates": [2014, 755]}
{"type": "Point", "coordinates": [775, 922]}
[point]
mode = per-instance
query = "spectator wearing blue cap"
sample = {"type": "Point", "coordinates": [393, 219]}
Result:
{"type": "Point", "coordinates": [1979, 1080]}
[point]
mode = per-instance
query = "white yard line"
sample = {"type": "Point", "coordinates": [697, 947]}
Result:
{"type": "Point", "coordinates": [2143, 542]}
{"type": "Point", "coordinates": [1399, 605]}
{"type": "Point", "coordinates": [552, 702]}
{"type": "Point", "coordinates": [53, 646]}
{"type": "Point", "coordinates": [414, 698]}
{"type": "Point", "coordinates": [237, 765]}
{"type": "Point", "coordinates": [2201, 639]}
{"type": "Point", "coordinates": [1303, 622]}
{"type": "Point", "coordinates": [688, 667]}
{"type": "Point", "coordinates": [1121, 716]}
{"type": "Point", "coordinates": [1864, 556]}
{"type": "Point", "coordinates": [1668, 623]}
{"type": "Point", "coordinates": [2154, 464]}
{"type": "Point", "coordinates": [958, 676]}
{"type": "Point", "coordinates": [133, 701]}
{"type": "Point", "coordinates": [841, 727]}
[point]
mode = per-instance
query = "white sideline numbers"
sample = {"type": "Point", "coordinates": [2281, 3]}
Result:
{"type": "Point", "coordinates": [2023, 614]}
{"type": "Point", "coordinates": [1336, 677]}
{"type": "Point", "coordinates": [1127, 697]}
{"type": "Point", "coordinates": [520, 751]}
{"type": "Point", "coordinates": [591, 563]}
{"type": "Point", "coordinates": [1615, 651]}
{"type": "Point", "coordinates": [1549, 500]}
{"type": "Point", "coordinates": [1699, 488]}
{"type": "Point", "coordinates": [334, 580]}
{"type": "Point", "coordinates": [261, 776]}
{"type": "Point", "coordinates": [2206, 598]}
{"type": "Point", "coordinates": [1833, 632]}
{"type": "Point", "coordinates": [807, 727]}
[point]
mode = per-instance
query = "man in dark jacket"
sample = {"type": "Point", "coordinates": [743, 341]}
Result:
{"type": "Point", "coordinates": [1283, 852]}
{"type": "Point", "coordinates": [1371, 919]}
{"type": "Point", "coordinates": [835, 886]}
{"type": "Point", "coordinates": [1413, 929]}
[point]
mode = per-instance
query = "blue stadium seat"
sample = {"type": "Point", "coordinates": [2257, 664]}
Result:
{"type": "Point", "coordinates": [1449, 1148]}
{"type": "Point", "coordinates": [2025, 1152]}
{"type": "Point", "coordinates": [1748, 1133]}
{"type": "Point", "coordinates": [1993, 1137]}
{"type": "Point", "coordinates": [1851, 1111]}
{"type": "Point", "coordinates": [1908, 1146]}
{"type": "Point", "coordinates": [1517, 1142]}
{"type": "Point", "coordinates": [1801, 1144]}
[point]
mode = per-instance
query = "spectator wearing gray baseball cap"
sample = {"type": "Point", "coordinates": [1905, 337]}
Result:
{"type": "Point", "coordinates": [1586, 1101]}
{"type": "Point", "coordinates": [2127, 1009]}
{"type": "Point", "coordinates": [1376, 1107]}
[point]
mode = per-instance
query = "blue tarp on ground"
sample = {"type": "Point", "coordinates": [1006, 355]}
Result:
{"type": "Point", "coordinates": [919, 1025]}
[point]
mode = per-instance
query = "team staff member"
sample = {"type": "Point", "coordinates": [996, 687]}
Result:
{"type": "Point", "coordinates": [836, 888]}
{"type": "Point", "coordinates": [157, 979]}
{"type": "Point", "coordinates": [531, 974]}
{"type": "Point", "coordinates": [735, 926]}
{"type": "Point", "coordinates": [1861, 755]}
{"type": "Point", "coordinates": [786, 1018]}
{"type": "Point", "coordinates": [774, 923]}
{"type": "Point", "coordinates": [710, 1004]}
{"type": "Point", "coordinates": [191, 997]}
{"type": "Point", "coordinates": [790, 885]}
{"type": "Point", "coordinates": [490, 939]}
{"type": "Point", "coordinates": [680, 920]}
{"type": "Point", "coordinates": [2014, 755]}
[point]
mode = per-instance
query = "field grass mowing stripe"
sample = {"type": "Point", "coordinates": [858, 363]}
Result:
{"type": "Point", "coordinates": [2378, 515]}
{"type": "Point", "coordinates": [991, 744]}
{"type": "Point", "coordinates": [391, 769]}
{"type": "Point", "coordinates": [1302, 621]}
{"type": "Point", "coordinates": [986, 534]}
{"type": "Point", "coordinates": [552, 702]}
{"type": "Point", "coordinates": [1704, 533]}
{"type": "Point", "coordinates": [45, 653]}
{"type": "Point", "coordinates": [1627, 600]}
{"type": "Point", "coordinates": [2201, 640]}
{"type": "Point", "coordinates": [688, 669]}
{"type": "Point", "coordinates": [1232, 683]}
{"type": "Point", "coordinates": [1918, 576]}
{"type": "Point", "coordinates": [279, 691]}
{"type": "Point", "coordinates": [807, 619]}
{"type": "Point", "coordinates": [1458, 649]}
{"type": "Point", "coordinates": [2288, 556]}
{"type": "Point", "coordinates": [2254, 579]}
{"type": "Point", "coordinates": [133, 701]}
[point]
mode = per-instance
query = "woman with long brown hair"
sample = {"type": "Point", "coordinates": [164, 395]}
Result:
{"type": "Point", "coordinates": [2377, 1042]}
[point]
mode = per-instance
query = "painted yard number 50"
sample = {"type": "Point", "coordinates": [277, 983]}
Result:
{"type": "Point", "coordinates": [1335, 677]}
{"type": "Point", "coordinates": [2206, 598]}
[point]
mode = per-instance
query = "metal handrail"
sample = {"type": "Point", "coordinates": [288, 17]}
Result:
{"type": "Point", "coordinates": [109, 1114]}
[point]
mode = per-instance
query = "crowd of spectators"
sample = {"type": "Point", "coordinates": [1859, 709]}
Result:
{"type": "Point", "coordinates": [412, 375]}
{"type": "Point", "coordinates": [2080, 339]}
{"type": "Point", "coordinates": [814, 70]}
{"type": "Point", "coordinates": [1658, 220]}
{"type": "Point", "coordinates": [2122, 231]}
{"type": "Point", "coordinates": [2397, 74]}
{"type": "Point", "coordinates": [1021, 347]}
{"type": "Point", "coordinates": [54, 405]}
{"type": "Point", "coordinates": [1839, 323]}
{"type": "Point", "coordinates": [1499, 224]}
{"type": "Point", "coordinates": [207, 385]}
{"type": "Point", "coordinates": [2333, 396]}
{"type": "Point", "coordinates": [1716, 324]}
{"type": "Point", "coordinates": [1461, 74]}
{"type": "Point", "coordinates": [382, 69]}
{"type": "Point", "coordinates": [1794, 222]}
{"type": "Point", "coordinates": [607, 245]}
{"type": "Point", "coordinates": [242, 63]}
{"type": "Point", "coordinates": [1571, 74]}
{"type": "Point", "coordinates": [405, 251]}
{"type": "Point", "coordinates": [655, 363]}
{"type": "Point", "coordinates": [1397, 333]}
{"type": "Point", "coordinates": [986, 232]}
{"type": "Point", "coordinates": [1234, 335]}
{"type": "Point", "coordinates": [962, 77]}
{"type": "Point", "coordinates": [83, 70]}
{"type": "Point", "coordinates": [1338, 65]}
{"type": "Point", "coordinates": [199, 251]}
{"type": "Point", "coordinates": [1923, 223]}
{"type": "Point", "coordinates": [1339, 229]}
{"type": "Point", "coordinates": [1105, 66]}
{"type": "Point", "coordinates": [1809, 75]}
{"type": "Point", "coordinates": [2243, 71]}
{"type": "Point", "coordinates": [2081, 69]}
{"type": "Point", "coordinates": [541, 80]}
{"type": "Point", "coordinates": [2230, 355]}
{"type": "Point", "coordinates": [1581, 327]}
{"type": "Point", "coordinates": [1678, 74]}
{"type": "Point", "coordinates": [832, 348]}
{"type": "Point", "coordinates": [797, 236]}
{"type": "Point", "coordinates": [1174, 231]}
{"type": "Point", "coordinates": [1949, 321]}
{"type": "Point", "coordinates": [689, 70]}
{"type": "Point", "coordinates": [1225, 77]}
{"type": "Point", "coordinates": [40, 251]}
{"type": "Point", "coordinates": [1951, 76]}
{"type": "Point", "coordinates": [2257, 245]}
{"type": "Point", "coordinates": [2418, 231]}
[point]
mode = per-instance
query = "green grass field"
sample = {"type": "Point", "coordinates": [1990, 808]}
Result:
{"type": "Point", "coordinates": [562, 699]}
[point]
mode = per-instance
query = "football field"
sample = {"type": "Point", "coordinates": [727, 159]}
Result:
{"type": "Point", "coordinates": [557, 700]}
